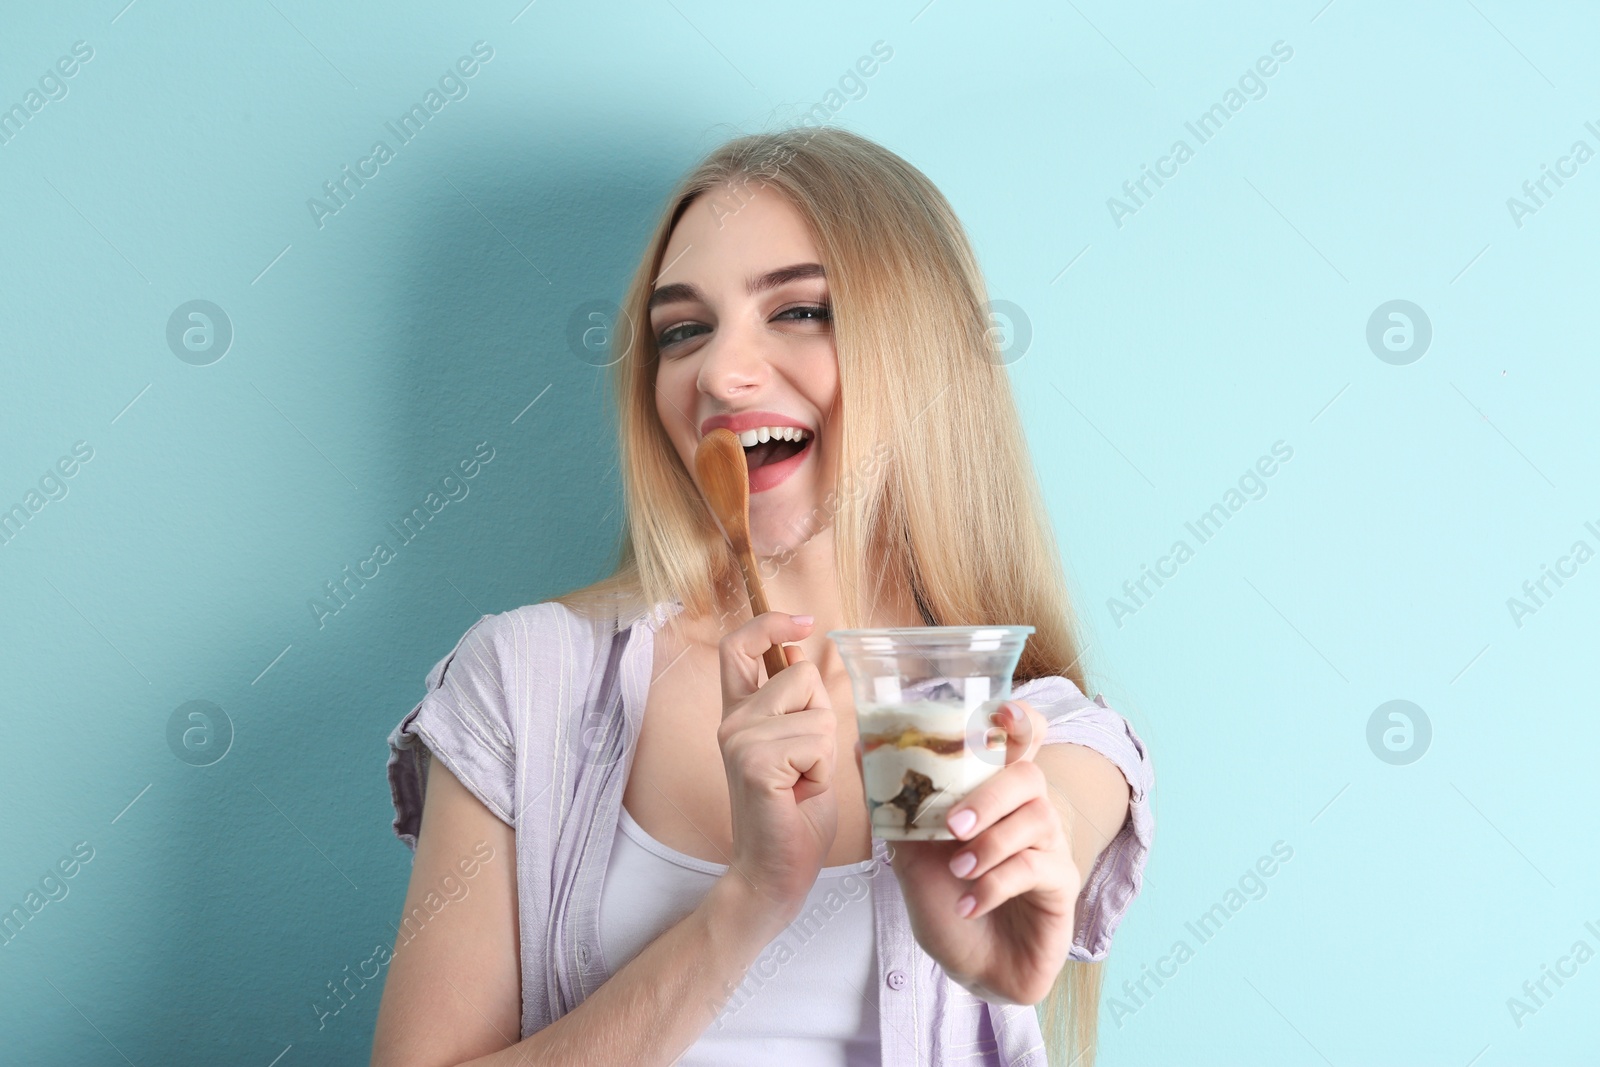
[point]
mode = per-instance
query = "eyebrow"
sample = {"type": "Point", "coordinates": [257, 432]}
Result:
{"type": "Point", "coordinates": [687, 291]}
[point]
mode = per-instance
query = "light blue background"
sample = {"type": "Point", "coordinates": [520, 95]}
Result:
{"type": "Point", "coordinates": [372, 354]}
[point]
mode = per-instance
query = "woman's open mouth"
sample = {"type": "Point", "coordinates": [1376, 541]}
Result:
{"type": "Point", "coordinates": [772, 461]}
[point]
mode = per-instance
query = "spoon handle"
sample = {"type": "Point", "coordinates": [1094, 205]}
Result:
{"type": "Point", "coordinates": [773, 657]}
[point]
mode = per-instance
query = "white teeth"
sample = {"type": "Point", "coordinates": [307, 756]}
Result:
{"type": "Point", "coordinates": [751, 438]}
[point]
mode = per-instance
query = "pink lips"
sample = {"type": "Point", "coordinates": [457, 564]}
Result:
{"type": "Point", "coordinates": [773, 474]}
{"type": "Point", "coordinates": [749, 420]}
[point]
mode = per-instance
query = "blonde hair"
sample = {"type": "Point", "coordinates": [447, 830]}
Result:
{"type": "Point", "coordinates": [933, 473]}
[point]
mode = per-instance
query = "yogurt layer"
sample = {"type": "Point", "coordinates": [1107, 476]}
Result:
{"type": "Point", "coordinates": [916, 765]}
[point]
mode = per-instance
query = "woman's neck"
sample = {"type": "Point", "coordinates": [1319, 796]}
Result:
{"type": "Point", "coordinates": [804, 581]}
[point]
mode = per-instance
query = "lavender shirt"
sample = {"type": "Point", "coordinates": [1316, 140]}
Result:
{"type": "Point", "coordinates": [515, 711]}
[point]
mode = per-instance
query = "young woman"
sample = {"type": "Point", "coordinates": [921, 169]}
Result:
{"type": "Point", "coordinates": [633, 848]}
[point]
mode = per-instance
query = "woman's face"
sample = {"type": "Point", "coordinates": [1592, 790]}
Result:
{"type": "Point", "coordinates": [743, 326]}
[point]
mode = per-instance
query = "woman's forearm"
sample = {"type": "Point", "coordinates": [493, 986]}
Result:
{"type": "Point", "coordinates": [1090, 793]}
{"type": "Point", "coordinates": [655, 1007]}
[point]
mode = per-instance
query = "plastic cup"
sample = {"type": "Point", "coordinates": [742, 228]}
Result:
{"type": "Point", "coordinates": [924, 697]}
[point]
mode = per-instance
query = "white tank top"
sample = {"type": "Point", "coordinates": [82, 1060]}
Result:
{"type": "Point", "coordinates": [809, 998]}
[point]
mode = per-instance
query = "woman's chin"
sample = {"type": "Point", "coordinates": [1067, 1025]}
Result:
{"type": "Point", "coordinates": [782, 529]}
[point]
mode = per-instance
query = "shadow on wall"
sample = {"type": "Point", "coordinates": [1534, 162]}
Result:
{"type": "Point", "coordinates": [505, 329]}
{"type": "Point", "coordinates": [507, 325]}
{"type": "Point", "coordinates": [482, 314]}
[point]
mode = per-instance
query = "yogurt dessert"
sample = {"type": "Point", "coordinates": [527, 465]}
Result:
{"type": "Point", "coordinates": [917, 762]}
{"type": "Point", "coordinates": [924, 696]}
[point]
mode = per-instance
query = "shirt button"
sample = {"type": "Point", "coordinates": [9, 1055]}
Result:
{"type": "Point", "coordinates": [897, 979]}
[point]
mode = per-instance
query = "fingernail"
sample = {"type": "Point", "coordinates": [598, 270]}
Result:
{"type": "Point", "coordinates": [962, 865]}
{"type": "Point", "coordinates": [801, 620]}
{"type": "Point", "coordinates": [965, 905]}
{"type": "Point", "coordinates": [962, 822]}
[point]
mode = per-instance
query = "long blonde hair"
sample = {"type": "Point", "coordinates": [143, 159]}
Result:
{"type": "Point", "coordinates": [933, 472]}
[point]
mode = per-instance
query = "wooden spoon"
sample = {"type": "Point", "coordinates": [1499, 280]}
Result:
{"type": "Point", "coordinates": [725, 481]}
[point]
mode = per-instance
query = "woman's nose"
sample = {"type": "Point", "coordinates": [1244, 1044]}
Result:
{"type": "Point", "coordinates": [731, 365]}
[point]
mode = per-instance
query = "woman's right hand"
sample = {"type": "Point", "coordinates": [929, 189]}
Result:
{"type": "Point", "coordinates": [778, 749]}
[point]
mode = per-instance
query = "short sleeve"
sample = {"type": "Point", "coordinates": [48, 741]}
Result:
{"type": "Point", "coordinates": [462, 720]}
{"type": "Point", "coordinates": [1118, 874]}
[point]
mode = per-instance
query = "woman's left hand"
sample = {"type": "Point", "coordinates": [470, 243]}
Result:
{"type": "Point", "coordinates": [1003, 926]}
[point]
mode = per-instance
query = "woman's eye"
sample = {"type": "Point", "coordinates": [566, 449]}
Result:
{"type": "Point", "coordinates": [810, 312]}
{"type": "Point", "coordinates": [687, 330]}
{"type": "Point", "coordinates": [676, 333]}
